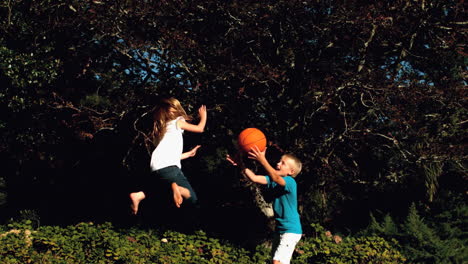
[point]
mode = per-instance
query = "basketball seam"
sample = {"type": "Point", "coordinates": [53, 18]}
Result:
{"type": "Point", "coordinates": [246, 136]}
{"type": "Point", "coordinates": [255, 141]}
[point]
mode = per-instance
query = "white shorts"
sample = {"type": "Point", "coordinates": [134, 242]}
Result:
{"type": "Point", "coordinates": [284, 245]}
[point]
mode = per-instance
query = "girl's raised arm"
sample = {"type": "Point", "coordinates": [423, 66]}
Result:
{"type": "Point", "coordinates": [200, 127]}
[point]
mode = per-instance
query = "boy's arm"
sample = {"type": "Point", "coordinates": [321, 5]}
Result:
{"type": "Point", "coordinates": [258, 155]}
{"type": "Point", "coordinates": [200, 127]}
{"type": "Point", "coordinates": [260, 179]}
{"type": "Point", "coordinates": [190, 153]}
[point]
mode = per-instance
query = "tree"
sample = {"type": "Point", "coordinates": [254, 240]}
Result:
{"type": "Point", "coordinates": [368, 95]}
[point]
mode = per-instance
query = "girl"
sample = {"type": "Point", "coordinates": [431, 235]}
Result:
{"type": "Point", "coordinates": [169, 123]}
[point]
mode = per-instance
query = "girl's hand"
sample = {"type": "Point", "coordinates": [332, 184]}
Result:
{"type": "Point", "coordinates": [202, 112]}
{"type": "Point", "coordinates": [190, 153]}
{"type": "Point", "coordinates": [193, 151]}
{"type": "Point", "coordinates": [256, 154]}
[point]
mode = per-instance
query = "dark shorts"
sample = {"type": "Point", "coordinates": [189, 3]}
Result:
{"type": "Point", "coordinates": [164, 177]}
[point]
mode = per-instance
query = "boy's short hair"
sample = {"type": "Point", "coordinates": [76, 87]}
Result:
{"type": "Point", "coordinates": [296, 162]}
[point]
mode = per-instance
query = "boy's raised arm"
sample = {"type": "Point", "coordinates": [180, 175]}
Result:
{"type": "Point", "coordinates": [260, 179]}
{"type": "Point", "coordinates": [258, 155]}
{"type": "Point", "coordinates": [254, 177]}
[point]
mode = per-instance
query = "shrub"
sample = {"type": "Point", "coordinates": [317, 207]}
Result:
{"type": "Point", "coordinates": [91, 243]}
{"type": "Point", "coordinates": [324, 247]}
{"type": "Point", "coordinates": [438, 242]}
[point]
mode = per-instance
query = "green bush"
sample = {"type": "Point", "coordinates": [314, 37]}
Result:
{"type": "Point", "coordinates": [198, 248]}
{"type": "Point", "coordinates": [327, 248]}
{"type": "Point", "coordinates": [90, 243]}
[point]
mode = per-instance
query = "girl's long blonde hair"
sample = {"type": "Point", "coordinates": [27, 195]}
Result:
{"type": "Point", "coordinates": [162, 114]}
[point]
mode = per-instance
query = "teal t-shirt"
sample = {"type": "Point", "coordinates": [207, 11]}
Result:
{"type": "Point", "coordinates": [285, 205]}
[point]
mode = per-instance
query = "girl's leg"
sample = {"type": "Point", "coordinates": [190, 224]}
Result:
{"type": "Point", "coordinates": [180, 193]}
{"type": "Point", "coordinates": [185, 192]}
{"type": "Point", "coordinates": [186, 189]}
{"type": "Point", "coordinates": [176, 194]}
{"type": "Point", "coordinates": [175, 177]}
{"type": "Point", "coordinates": [136, 198]}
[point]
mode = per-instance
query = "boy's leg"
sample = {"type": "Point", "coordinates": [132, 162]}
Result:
{"type": "Point", "coordinates": [283, 247]}
{"type": "Point", "coordinates": [136, 198]}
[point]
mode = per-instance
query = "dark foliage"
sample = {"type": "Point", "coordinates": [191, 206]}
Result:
{"type": "Point", "coordinates": [369, 95]}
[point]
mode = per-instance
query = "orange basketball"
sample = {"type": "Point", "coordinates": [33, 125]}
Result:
{"type": "Point", "coordinates": [250, 137]}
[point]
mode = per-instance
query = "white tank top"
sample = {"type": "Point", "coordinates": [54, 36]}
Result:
{"type": "Point", "coordinates": [169, 149]}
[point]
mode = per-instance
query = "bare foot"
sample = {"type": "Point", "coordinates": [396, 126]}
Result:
{"type": "Point", "coordinates": [177, 196]}
{"type": "Point", "coordinates": [136, 198]}
{"type": "Point", "coordinates": [134, 208]}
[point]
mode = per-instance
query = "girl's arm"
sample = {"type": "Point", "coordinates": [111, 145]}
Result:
{"type": "Point", "coordinates": [200, 127]}
{"type": "Point", "coordinates": [258, 155]}
{"type": "Point", "coordinates": [190, 153]}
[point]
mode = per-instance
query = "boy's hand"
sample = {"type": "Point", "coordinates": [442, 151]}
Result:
{"type": "Point", "coordinates": [256, 154]}
{"type": "Point", "coordinates": [231, 160]}
{"type": "Point", "coordinates": [235, 161]}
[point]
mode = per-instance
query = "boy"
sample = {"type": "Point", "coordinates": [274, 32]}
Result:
{"type": "Point", "coordinates": [281, 183]}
